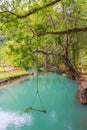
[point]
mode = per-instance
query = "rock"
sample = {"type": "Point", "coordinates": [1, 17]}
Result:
{"type": "Point", "coordinates": [83, 93]}
{"type": "Point", "coordinates": [32, 73]}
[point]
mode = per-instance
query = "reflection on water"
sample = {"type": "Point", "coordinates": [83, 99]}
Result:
{"type": "Point", "coordinates": [68, 126]}
{"type": "Point", "coordinates": [7, 119]}
{"type": "Point", "coordinates": [53, 117]}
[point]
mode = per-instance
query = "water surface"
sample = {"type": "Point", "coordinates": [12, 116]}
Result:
{"type": "Point", "coordinates": [58, 95]}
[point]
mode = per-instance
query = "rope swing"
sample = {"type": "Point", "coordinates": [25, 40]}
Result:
{"type": "Point", "coordinates": [36, 95]}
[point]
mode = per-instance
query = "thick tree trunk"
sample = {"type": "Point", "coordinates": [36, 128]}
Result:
{"type": "Point", "coordinates": [71, 69]}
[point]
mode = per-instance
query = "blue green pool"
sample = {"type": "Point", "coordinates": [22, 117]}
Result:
{"type": "Point", "coordinates": [58, 94]}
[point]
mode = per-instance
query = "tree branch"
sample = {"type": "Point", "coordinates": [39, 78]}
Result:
{"type": "Point", "coordinates": [64, 32]}
{"type": "Point", "coordinates": [38, 9]}
{"type": "Point", "coordinates": [33, 10]}
{"type": "Point", "coordinates": [46, 53]}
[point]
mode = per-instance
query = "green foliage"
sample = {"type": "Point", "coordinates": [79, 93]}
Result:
{"type": "Point", "coordinates": [22, 42]}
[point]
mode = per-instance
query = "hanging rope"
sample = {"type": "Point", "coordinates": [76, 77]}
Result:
{"type": "Point", "coordinates": [36, 95]}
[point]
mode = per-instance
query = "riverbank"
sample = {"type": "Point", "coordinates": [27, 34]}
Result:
{"type": "Point", "coordinates": [10, 74]}
{"type": "Point", "coordinates": [12, 79]}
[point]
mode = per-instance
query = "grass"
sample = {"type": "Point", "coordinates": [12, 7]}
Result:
{"type": "Point", "coordinates": [6, 75]}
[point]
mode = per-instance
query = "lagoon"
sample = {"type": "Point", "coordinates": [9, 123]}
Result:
{"type": "Point", "coordinates": [59, 96]}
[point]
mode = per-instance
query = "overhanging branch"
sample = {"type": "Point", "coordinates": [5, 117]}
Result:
{"type": "Point", "coordinates": [38, 9]}
{"type": "Point", "coordinates": [64, 32]}
{"type": "Point", "coordinates": [32, 11]}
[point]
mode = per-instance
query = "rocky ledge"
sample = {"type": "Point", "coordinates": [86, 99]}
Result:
{"type": "Point", "coordinates": [83, 92]}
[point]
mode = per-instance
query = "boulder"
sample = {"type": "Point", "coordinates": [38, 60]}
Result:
{"type": "Point", "coordinates": [83, 93]}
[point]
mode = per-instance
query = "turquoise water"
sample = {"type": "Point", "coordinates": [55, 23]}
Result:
{"type": "Point", "coordinates": [58, 94]}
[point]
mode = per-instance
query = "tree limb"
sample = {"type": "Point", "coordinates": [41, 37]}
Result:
{"type": "Point", "coordinates": [38, 9]}
{"type": "Point", "coordinates": [46, 53]}
{"type": "Point", "coordinates": [33, 10]}
{"type": "Point", "coordinates": [64, 32]}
